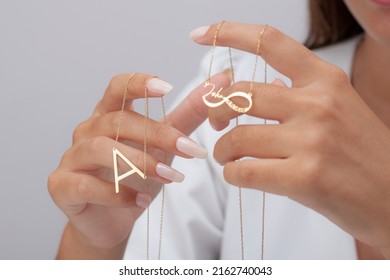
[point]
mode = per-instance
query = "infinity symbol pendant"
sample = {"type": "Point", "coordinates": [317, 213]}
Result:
{"type": "Point", "coordinates": [226, 99]}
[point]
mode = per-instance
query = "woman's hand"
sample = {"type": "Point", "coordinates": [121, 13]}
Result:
{"type": "Point", "coordinates": [330, 152]}
{"type": "Point", "coordinates": [101, 220]}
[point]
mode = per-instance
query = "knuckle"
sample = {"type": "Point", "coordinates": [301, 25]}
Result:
{"type": "Point", "coordinates": [83, 187]}
{"type": "Point", "coordinates": [334, 80]}
{"type": "Point", "coordinates": [322, 142]}
{"type": "Point", "coordinates": [96, 144]}
{"type": "Point", "coordinates": [248, 176]}
{"type": "Point", "coordinates": [327, 101]}
{"type": "Point", "coordinates": [272, 33]}
{"type": "Point", "coordinates": [105, 124]}
{"type": "Point", "coordinates": [52, 183]}
{"type": "Point", "coordinates": [67, 157]}
{"type": "Point", "coordinates": [316, 139]}
{"type": "Point", "coordinates": [337, 75]}
{"type": "Point", "coordinates": [240, 86]}
{"type": "Point", "coordinates": [161, 134]}
{"type": "Point", "coordinates": [115, 119]}
{"type": "Point", "coordinates": [235, 139]}
{"type": "Point", "coordinates": [139, 160]}
{"type": "Point", "coordinates": [325, 106]}
{"type": "Point", "coordinates": [115, 84]}
{"type": "Point", "coordinates": [311, 170]}
{"type": "Point", "coordinates": [79, 131]}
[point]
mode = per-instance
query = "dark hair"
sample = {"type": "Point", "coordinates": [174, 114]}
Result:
{"type": "Point", "coordinates": [330, 22]}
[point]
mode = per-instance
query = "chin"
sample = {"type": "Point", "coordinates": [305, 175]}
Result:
{"type": "Point", "coordinates": [379, 29]}
{"type": "Point", "coordinates": [374, 17]}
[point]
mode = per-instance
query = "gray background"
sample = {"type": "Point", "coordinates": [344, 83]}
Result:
{"type": "Point", "coordinates": [56, 58]}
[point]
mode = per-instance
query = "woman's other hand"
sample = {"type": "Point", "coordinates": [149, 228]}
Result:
{"type": "Point", "coordinates": [329, 151]}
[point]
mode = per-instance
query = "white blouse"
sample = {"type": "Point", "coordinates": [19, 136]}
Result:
{"type": "Point", "coordinates": [201, 218]}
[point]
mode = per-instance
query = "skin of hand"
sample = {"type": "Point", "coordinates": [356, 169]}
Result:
{"type": "Point", "coordinates": [329, 152]}
{"type": "Point", "coordinates": [101, 220]}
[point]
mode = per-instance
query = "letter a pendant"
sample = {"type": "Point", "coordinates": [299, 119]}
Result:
{"type": "Point", "coordinates": [134, 169]}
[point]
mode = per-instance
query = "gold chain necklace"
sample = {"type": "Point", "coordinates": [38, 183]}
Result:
{"type": "Point", "coordinates": [221, 100]}
{"type": "Point", "coordinates": [134, 169]}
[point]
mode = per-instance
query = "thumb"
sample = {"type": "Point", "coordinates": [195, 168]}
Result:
{"type": "Point", "coordinates": [192, 112]}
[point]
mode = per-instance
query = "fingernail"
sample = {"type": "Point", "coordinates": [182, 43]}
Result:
{"type": "Point", "coordinates": [199, 32]}
{"type": "Point", "coordinates": [213, 126]}
{"type": "Point", "coordinates": [159, 86]}
{"type": "Point", "coordinates": [143, 200]}
{"type": "Point", "coordinates": [169, 173]}
{"type": "Point", "coordinates": [228, 72]}
{"type": "Point", "coordinates": [219, 126]}
{"type": "Point", "coordinates": [190, 148]}
{"type": "Point", "coordinates": [278, 81]}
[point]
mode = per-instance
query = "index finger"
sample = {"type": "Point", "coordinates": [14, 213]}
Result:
{"type": "Point", "coordinates": [130, 87]}
{"type": "Point", "coordinates": [282, 52]}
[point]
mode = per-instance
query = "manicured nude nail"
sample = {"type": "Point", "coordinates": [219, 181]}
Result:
{"type": "Point", "coordinates": [156, 85]}
{"type": "Point", "coordinates": [190, 148]}
{"type": "Point", "coordinates": [199, 32]}
{"type": "Point", "coordinates": [169, 173]}
{"type": "Point", "coordinates": [143, 200]}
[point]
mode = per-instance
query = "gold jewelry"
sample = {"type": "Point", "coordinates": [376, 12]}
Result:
{"type": "Point", "coordinates": [162, 191]}
{"type": "Point", "coordinates": [242, 110]}
{"type": "Point", "coordinates": [116, 152]}
{"type": "Point", "coordinates": [146, 109]}
{"type": "Point", "coordinates": [134, 169]}
{"type": "Point", "coordinates": [223, 99]}
{"type": "Point", "coordinates": [227, 99]}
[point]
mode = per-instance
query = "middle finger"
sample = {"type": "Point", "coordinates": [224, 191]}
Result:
{"type": "Point", "coordinates": [96, 153]}
{"type": "Point", "coordinates": [134, 129]}
{"type": "Point", "coordinates": [270, 101]}
{"type": "Point", "coordinates": [258, 141]}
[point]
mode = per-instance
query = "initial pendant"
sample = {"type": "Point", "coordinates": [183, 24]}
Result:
{"type": "Point", "coordinates": [134, 169]}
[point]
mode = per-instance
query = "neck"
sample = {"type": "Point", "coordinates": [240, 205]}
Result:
{"type": "Point", "coordinates": [370, 76]}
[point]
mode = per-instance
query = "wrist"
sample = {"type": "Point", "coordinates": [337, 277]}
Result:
{"type": "Point", "coordinates": [75, 246]}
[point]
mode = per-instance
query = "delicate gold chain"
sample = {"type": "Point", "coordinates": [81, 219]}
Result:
{"type": "Point", "coordinates": [264, 194]}
{"type": "Point", "coordinates": [145, 150]}
{"type": "Point", "coordinates": [146, 108]}
{"type": "Point", "coordinates": [123, 106]}
{"type": "Point", "coordinates": [240, 199]}
{"type": "Point", "coordinates": [239, 188]}
{"type": "Point", "coordinates": [257, 58]}
{"type": "Point", "coordinates": [163, 192]}
{"type": "Point", "coordinates": [231, 64]}
{"type": "Point", "coordinates": [116, 153]}
{"type": "Point", "coordinates": [147, 232]}
{"type": "Point", "coordinates": [237, 123]}
{"type": "Point", "coordinates": [146, 112]}
{"type": "Point", "coordinates": [241, 223]}
{"type": "Point", "coordinates": [213, 49]}
{"type": "Point", "coordinates": [262, 227]}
